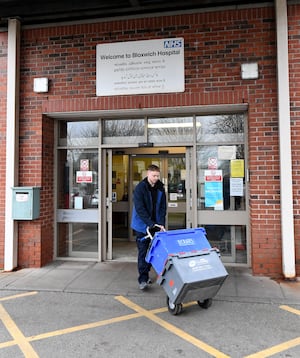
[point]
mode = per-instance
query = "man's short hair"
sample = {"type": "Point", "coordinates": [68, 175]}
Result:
{"type": "Point", "coordinates": [153, 168]}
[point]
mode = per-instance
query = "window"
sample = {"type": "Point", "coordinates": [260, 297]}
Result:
{"type": "Point", "coordinates": [116, 131]}
{"type": "Point", "coordinates": [73, 134]}
{"type": "Point", "coordinates": [221, 163]}
{"type": "Point", "coordinates": [171, 130]}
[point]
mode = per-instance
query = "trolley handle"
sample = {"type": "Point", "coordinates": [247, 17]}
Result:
{"type": "Point", "coordinates": [157, 229]}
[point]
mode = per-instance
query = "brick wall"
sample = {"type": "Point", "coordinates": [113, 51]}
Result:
{"type": "Point", "coordinates": [216, 43]}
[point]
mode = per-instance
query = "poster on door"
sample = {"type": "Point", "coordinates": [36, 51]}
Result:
{"type": "Point", "coordinates": [213, 188]}
{"type": "Point", "coordinates": [84, 176]}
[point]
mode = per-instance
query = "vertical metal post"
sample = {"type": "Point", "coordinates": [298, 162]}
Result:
{"type": "Point", "coordinates": [286, 186]}
{"type": "Point", "coordinates": [12, 140]}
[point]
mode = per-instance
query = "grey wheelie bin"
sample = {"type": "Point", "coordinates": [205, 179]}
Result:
{"type": "Point", "coordinates": [188, 267]}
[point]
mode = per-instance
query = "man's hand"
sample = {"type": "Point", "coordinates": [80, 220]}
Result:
{"type": "Point", "coordinates": [161, 227]}
{"type": "Point", "coordinates": [156, 228]}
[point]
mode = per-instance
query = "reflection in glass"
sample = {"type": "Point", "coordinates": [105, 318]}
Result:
{"type": "Point", "coordinates": [230, 240]}
{"type": "Point", "coordinates": [78, 133]}
{"type": "Point", "coordinates": [171, 130]}
{"type": "Point", "coordinates": [220, 128]}
{"type": "Point", "coordinates": [77, 240]}
{"type": "Point", "coordinates": [123, 131]}
{"type": "Point", "coordinates": [70, 184]}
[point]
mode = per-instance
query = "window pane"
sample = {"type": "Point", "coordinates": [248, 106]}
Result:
{"type": "Point", "coordinates": [230, 240]}
{"type": "Point", "coordinates": [77, 178]}
{"type": "Point", "coordinates": [171, 130]}
{"type": "Point", "coordinates": [225, 183]}
{"type": "Point", "coordinates": [123, 131]}
{"type": "Point", "coordinates": [220, 128]}
{"type": "Point", "coordinates": [77, 240]}
{"type": "Point", "coordinates": [176, 179]}
{"type": "Point", "coordinates": [78, 133]}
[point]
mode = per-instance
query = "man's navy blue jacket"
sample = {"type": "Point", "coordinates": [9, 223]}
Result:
{"type": "Point", "coordinates": [142, 209]}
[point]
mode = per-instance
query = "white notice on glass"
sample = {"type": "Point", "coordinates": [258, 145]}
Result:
{"type": "Point", "coordinates": [78, 202]}
{"type": "Point", "coordinates": [226, 152]}
{"type": "Point", "coordinates": [236, 187]}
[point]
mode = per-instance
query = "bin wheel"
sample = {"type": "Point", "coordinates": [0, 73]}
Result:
{"type": "Point", "coordinates": [174, 309]}
{"type": "Point", "coordinates": [206, 303]}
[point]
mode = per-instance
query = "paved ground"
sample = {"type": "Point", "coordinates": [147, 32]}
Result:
{"type": "Point", "coordinates": [86, 309]}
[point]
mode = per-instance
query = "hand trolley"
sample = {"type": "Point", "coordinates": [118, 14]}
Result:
{"type": "Point", "coordinates": [188, 267]}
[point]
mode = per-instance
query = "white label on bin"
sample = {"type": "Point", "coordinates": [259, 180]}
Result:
{"type": "Point", "coordinates": [22, 197]}
{"type": "Point", "coordinates": [199, 265]}
{"type": "Point", "coordinates": [185, 242]}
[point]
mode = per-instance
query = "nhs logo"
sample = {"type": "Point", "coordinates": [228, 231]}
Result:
{"type": "Point", "coordinates": [175, 43]}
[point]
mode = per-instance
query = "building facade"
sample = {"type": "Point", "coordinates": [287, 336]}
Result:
{"type": "Point", "coordinates": [216, 109]}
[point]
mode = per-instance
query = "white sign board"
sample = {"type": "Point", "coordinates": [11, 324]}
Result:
{"type": "Point", "coordinates": [140, 67]}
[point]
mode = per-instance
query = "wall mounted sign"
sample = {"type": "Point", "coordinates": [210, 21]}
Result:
{"type": "Point", "coordinates": [140, 67]}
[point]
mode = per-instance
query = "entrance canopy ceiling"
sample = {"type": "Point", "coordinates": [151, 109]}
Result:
{"type": "Point", "coordinates": [38, 12]}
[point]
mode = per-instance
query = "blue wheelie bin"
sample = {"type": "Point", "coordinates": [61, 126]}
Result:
{"type": "Point", "coordinates": [188, 267]}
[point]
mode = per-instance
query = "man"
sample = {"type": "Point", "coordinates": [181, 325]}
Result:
{"type": "Point", "coordinates": [149, 210]}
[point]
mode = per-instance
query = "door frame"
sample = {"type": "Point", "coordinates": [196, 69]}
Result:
{"type": "Point", "coordinates": [106, 189]}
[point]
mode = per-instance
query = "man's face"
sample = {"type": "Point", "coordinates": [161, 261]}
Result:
{"type": "Point", "coordinates": [153, 176]}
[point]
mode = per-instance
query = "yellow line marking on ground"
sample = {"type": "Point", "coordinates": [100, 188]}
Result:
{"type": "Point", "coordinates": [7, 344]}
{"type": "Point", "coordinates": [276, 349]}
{"type": "Point", "coordinates": [171, 328]}
{"type": "Point", "coordinates": [18, 296]}
{"type": "Point", "coordinates": [18, 336]}
{"type": "Point", "coordinates": [282, 346]}
{"type": "Point", "coordinates": [82, 327]}
{"type": "Point", "coordinates": [73, 329]}
{"type": "Point", "coordinates": [290, 309]}
{"type": "Point", "coordinates": [23, 342]}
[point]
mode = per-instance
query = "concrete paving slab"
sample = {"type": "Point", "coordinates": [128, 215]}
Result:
{"type": "Point", "coordinates": [121, 278]}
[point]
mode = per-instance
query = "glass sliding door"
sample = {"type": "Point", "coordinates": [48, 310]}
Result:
{"type": "Point", "coordinates": [124, 171]}
{"type": "Point", "coordinates": [173, 175]}
{"type": "Point", "coordinates": [176, 190]}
